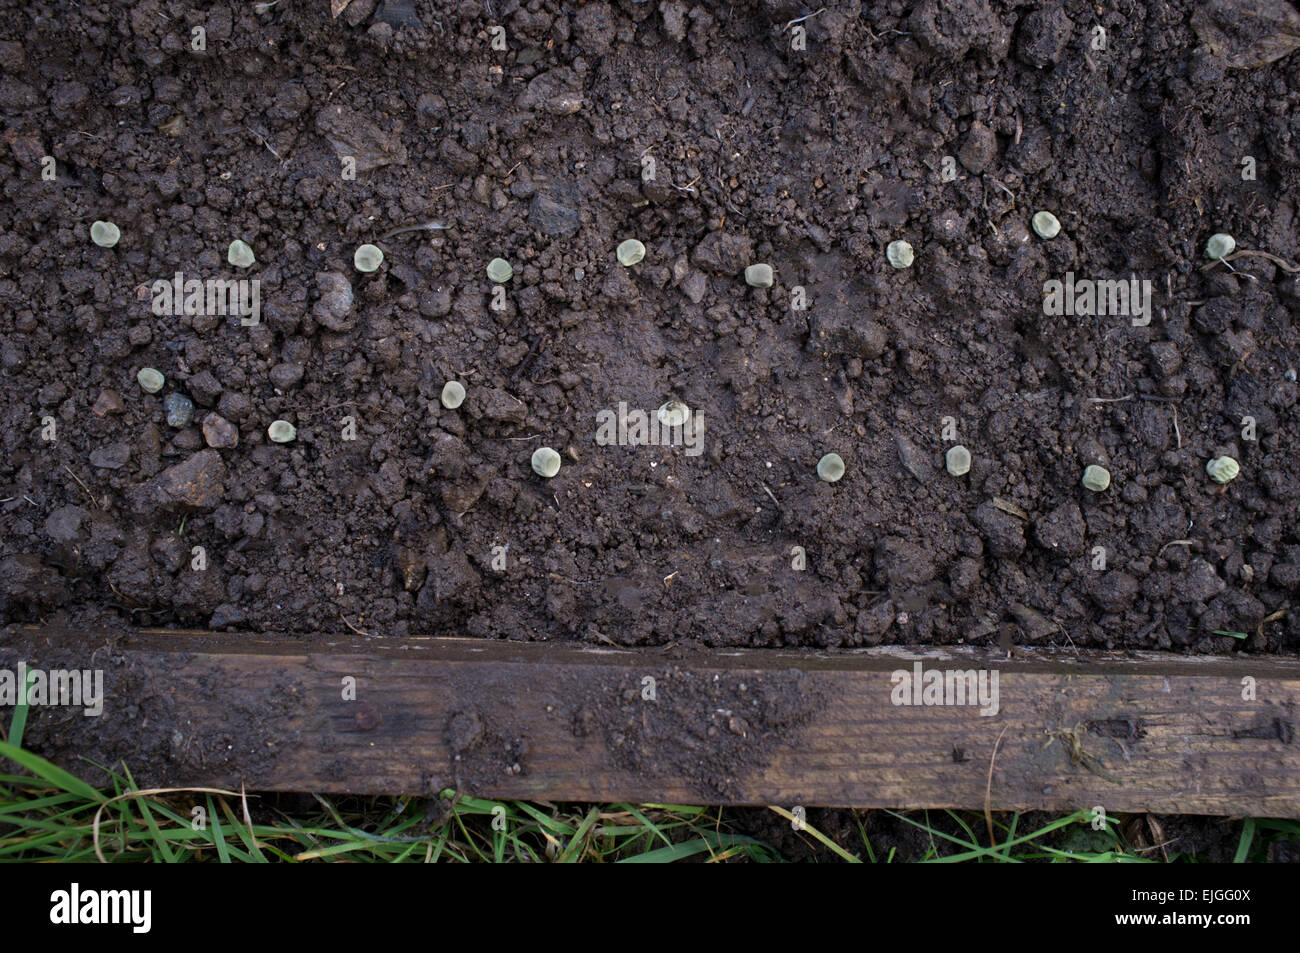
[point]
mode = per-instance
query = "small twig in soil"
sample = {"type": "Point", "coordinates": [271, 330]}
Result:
{"type": "Point", "coordinates": [260, 138]}
{"type": "Point", "coordinates": [426, 226]}
{"type": "Point", "coordinates": [1281, 613]}
{"type": "Point", "coordinates": [1109, 400]}
{"type": "Point", "coordinates": [774, 499]}
{"type": "Point", "coordinates": [1289, 267]}
{"type": "Point", "coordinates": [1175, 542]}
{"type": "Point", "coordinates": [353, 627]}
{"type": "Point", "coordinates": [528, 358]}
{"type": "Point", "coordinates": [802, 18]}
{"type": "Point", "coordinates": [83, 486]}
{"type": "Point", "coordinates": [988, 788]}
{"type": "Point", "coordinates": [1177, 433]}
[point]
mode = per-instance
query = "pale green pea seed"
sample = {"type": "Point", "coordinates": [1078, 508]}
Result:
{"type": "Point", "coordinates": [150, 380]}
{"type": "Point", "coordinates": [957, 460]}
{"type": "Point", "coordinates": [499, 270]}
{"type": "Point", "coordinates": [105, 234]}
{"type": "Point", "coordinates": [240, 254]}
{"type": "Point", "coordinates": [368, 258]}
{"type": "Point", "coordinates": [1219, 246]}
{"type": "Point", "coordinates": [281, 431]}
{"type": "Point", "coordinates": [1046, 225]}
{"type": "Point", "coordinates": [630, 252]}
{"type": "Point", "coordinates": [1096, 478]}
{"type": "Point", "coordinates": [830, 467]}
{"type": "Point", "coordinates": [453, 395]}
{"type": "Point", "coordinates": [900, 254]}
{"type": "Point", "coordinates": [673, 414]}
{"type": "Point", "coordinates": [546, 462]}
{"type": "Point", "coordinates": [759, 276]}
{"type": "Point", "coordinates": [1223, 469]}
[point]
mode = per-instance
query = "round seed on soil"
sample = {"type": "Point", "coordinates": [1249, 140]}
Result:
{"type": "Point", "coordinates": [1096, 478]}
{"type": "Point", "coordinates": [1046, 225]}
{"type": "Point", "coordinates": [368, 258]}
{"type": "Point", "coordinates": [1223, 469]}
{"type": "Point", "coordinates": [1219, 245]}
{"type": "Point", "coordinates": [957, 460]}
{"type": "Point", "coordinates": [759, 276]}
{"type": "Point", "coordinates": [105, 234]}
{"type": "Point", "coordinates": [630, 252]}
{"type": "Point", "coordinates": [240, 254]}
{"type": "Point", "coordinates": [151, 381]}
{"type": "Point", "coordinates": [673, 414]}
{"type": "Point", "coordinates": [281, 431]}
{"type": "Point", "coordinates": [830, 467]}
{"type": "Point", "coordinates": [499, 270]}
{"type": "Point", "coordinates": [453, 394]}
{"type": "Point", "coordinates": [546, 462]}
{"type": "Point", "coordinates": [900, 254]}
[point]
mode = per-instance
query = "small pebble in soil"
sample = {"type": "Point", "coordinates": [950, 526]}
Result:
{"type": "Point", "coordinates": [546, 462]}
{"type": "Point", "coordinates": [957, 460]}
{"type": "Point", "coordinates": [759, 276]}
{"type": "Point", "coordinates": [499, 270]}
{"type": "Point", "coordinates": [1046, 225]}
{"type": "Point", "coordinates": [219, 432]}
{"type": "Point", "coordinates": [1223, 469]}
{"type": "Point", "coordinates": [830, 467]}
{"type": "Point", "coordinates": [105, 234]}
{"type": "Point", "coordinates": [1096, 478]}
{"type": "Point", "coordinates": [900, 254]}
{"type": "Point", "coordinates": [240, 254]}
{"type": "Point", "coordinates": [281, 431]}
{"type": "Point", "coordinates": [368, 258]}
{"type": "Point", "coordinates": [453, 394]}
{"type": "Point", "coordinates": [151, 381]}
{"type": "Point", "coordinates": [673, 414]}
{"type": "Point", "coordinates": [180, 410]}
{"type": "Point", "coordinates": [1220, 245]}
{"type": "Point", "coordinates": [630, 252]}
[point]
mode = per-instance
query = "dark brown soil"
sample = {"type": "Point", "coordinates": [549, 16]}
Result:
{"type": "Point", "coordinates": [812, 160]}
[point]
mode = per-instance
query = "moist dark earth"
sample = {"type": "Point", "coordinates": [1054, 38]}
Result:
{"type": "Point", "coordinates": [720, 136]}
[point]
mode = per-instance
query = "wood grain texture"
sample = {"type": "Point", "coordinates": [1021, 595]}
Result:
{"type": "Point", "coordinates": [1128, 732]}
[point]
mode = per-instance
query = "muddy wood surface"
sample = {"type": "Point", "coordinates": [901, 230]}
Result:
{"type": "Point", "coordinates": [1126, 732]}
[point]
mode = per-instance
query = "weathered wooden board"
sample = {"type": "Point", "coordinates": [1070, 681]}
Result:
{"type": "Point", "coordinates": [1128, 732]}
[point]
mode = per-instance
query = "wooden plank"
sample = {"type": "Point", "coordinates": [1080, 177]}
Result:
{"type": "Point", "coordinates": [1126, 731]}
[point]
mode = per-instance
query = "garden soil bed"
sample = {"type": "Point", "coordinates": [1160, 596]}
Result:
{"type": "Point", "coordinates": [720, 135]}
